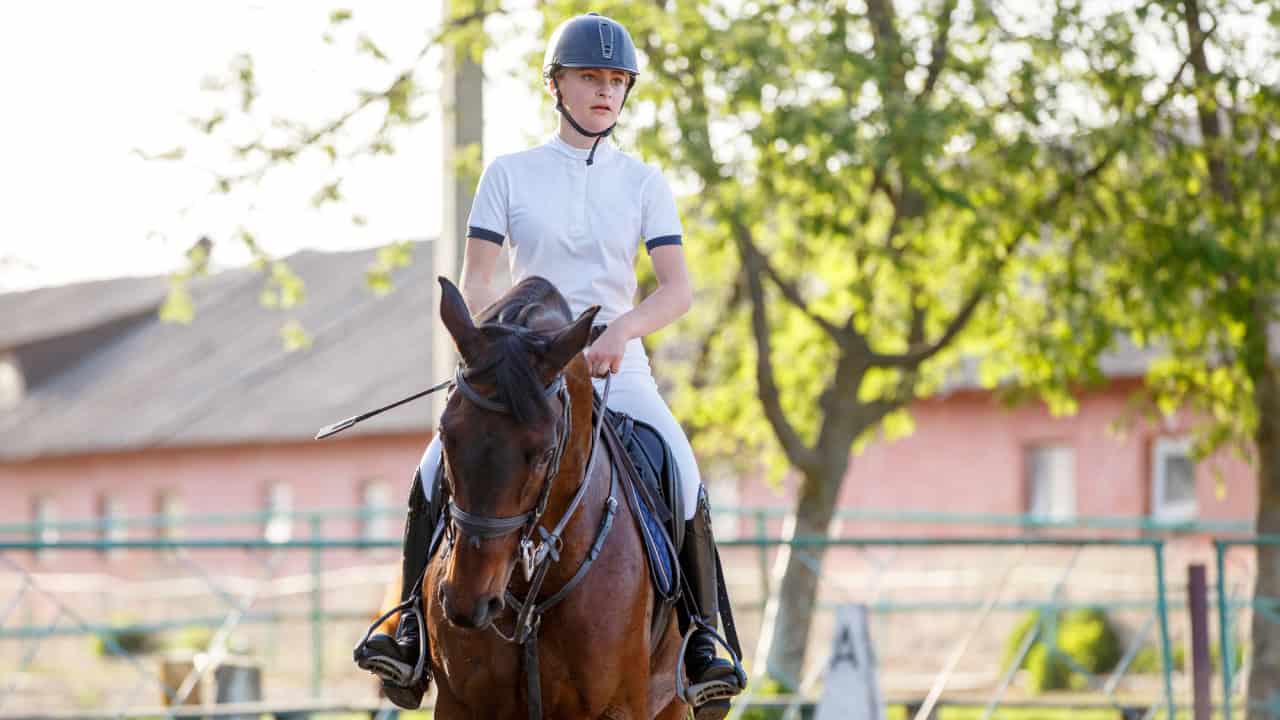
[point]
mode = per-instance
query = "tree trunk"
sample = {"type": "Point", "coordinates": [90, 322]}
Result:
{"type": "Point", "coordinates": [790, 610]}
{"type": "Point", "coordinates": [1264, 675]}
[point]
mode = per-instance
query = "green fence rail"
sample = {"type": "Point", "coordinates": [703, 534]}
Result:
{"type": "Point", "coordinates": [317, 545]}
{"type": "Point", "coordinates": [1227, 614]}
{"type": "Point", "coordinates": [760, 514]}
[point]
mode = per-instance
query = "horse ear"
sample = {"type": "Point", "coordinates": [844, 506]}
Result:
{"type": "Point", "coordinates": [457, 320]}
{"type": "Point", "coordinates": [568, 342]}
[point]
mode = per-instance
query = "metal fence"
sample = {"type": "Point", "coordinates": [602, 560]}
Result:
{"type": "Point", "coordinates": [943, 611]}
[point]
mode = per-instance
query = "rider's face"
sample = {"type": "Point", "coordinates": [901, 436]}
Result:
{"type": "Point", "coordinates": [592, 95]}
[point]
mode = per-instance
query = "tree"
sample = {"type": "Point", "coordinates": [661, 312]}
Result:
{"type": "Point", "coordinates": [864, 186]}
{"type": "Point", "coordinates": [243, 144]}
{"type": "Point", "coordinates": [1178, 247]}
{"type": "Point", "coordinates": [871, 193]}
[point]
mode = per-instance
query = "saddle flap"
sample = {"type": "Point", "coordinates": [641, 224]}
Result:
{"type": "Point", "coordinates": [646, 503]}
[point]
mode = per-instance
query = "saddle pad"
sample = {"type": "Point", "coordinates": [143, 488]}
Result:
{"type": "Point", "coordinates": [644, 493]}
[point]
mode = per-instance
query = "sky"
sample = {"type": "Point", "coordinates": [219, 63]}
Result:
{"type": "Point", "coordinates": [89, 85]}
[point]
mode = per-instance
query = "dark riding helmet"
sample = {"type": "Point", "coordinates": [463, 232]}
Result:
{"type": "Point", "coordinates": [590, 41]}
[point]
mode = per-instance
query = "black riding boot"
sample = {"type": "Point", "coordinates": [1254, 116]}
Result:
{"type": "Point", "coordinates": [712, 680]}
{"type": "Point", "coordinates": [400, 661]}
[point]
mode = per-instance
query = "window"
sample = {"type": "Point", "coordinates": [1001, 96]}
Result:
{"type": "Point", "coordinates": [11, 381]}
{"type": "Point", "coordinates": [169, 506]}
{"type": "Point", "coordinates": [376, 515]}
{"type": "Point", "coordinates": [1173, 480]}
{"type": "Point", "coordinates": [44, 529]}
{"type": "Point", "coordinates": [111, 523]}
{"type": "Point", "coordinates": [1051, 483]}
{"type": "Point", "coordinates": [279, 525]}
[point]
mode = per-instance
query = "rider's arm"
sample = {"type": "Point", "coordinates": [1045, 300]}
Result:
{"type": "Point", "coordinates": [666, 304]}
{"type": "Point", "coordinates": [478, 263]}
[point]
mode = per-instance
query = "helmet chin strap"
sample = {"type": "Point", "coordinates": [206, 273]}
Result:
{"type": "Point", "coordinates": [583, 131]}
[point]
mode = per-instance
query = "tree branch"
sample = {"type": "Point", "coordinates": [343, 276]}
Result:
{"type": "Point", "coordinates": [918, 353]}
{"type": "Point", "coordinates": [703, 364]}
{"type": "Point", "coordinates": [1206, 105]}
{"type": "Point", "coordinates": [938, 53]}
{"type": "Point", "coordinates": [285, 152]}
{"type": "Point", "coordinates": [792, 296]}
{"type": "Point", "coordinates": [800, 455]}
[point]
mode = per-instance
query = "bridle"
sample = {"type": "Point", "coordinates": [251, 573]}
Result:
{"type": "Point", "coordinates": [484, 527]}
{"type": "Point", "coordinates": [535, 557]}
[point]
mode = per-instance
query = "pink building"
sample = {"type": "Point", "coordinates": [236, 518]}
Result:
{"type": "Point", "coordinates": [107, 413]}
{"type": "Point", "coordinates": [135, 429]}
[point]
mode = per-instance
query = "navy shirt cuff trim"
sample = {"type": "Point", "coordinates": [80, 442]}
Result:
{"type": "Point", "coordinates": [660, 241]}
{"type": "Point", "coordinates": [479, 232]}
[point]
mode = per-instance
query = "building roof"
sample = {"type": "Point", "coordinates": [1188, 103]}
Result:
{"type": "Point", "coordinates": [126, 380]}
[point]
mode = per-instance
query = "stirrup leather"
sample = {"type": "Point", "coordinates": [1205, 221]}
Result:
{"type": "Point", "coordinates": [698, 694]}
{"type": "Point", "coordinates": [390, 670]}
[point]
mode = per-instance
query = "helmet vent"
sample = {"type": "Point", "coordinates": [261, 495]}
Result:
{"type": "Point", "coordinates": [606, 39]}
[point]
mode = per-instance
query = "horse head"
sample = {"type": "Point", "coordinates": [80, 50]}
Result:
{"type": "Point", "coordinates": [504, 431]}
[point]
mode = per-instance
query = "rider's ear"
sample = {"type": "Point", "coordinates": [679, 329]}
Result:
{"type": "Point", "coordinates": [567, 343]}
{"type": "Point", "coordinates": [457, 319]}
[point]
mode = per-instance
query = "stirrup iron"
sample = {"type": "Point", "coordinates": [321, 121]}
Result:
{"type": "Point", "coordinates": [390, 671]}
{"type": "Point", "coordinates": [698, 694]}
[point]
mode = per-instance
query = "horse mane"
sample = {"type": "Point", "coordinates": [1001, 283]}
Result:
{"type": "Point", "coordinates": [514, 326]}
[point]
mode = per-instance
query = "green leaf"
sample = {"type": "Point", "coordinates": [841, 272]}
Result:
{"type": "Point", "coordinates": [366, 45]}
{"type": "Point", "coordinates": [295, 336]}
{"type": "Point", "coordinates": [330, 193]}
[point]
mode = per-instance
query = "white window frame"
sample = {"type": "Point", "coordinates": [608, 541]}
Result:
{"type": "Point", "coordinates": [1063, 485]}
{"type": "Point", "coordinates": [1162, 508]}
{"type": "Point", "coordinates": [279, 508]}
{"type": "Point", "coordinates": [172, 515]}
{"type": "Point", "coordinates": [111, 511]}
{"type": "Point", "coordinates": [375, 502]}
{"type": "Point", "coordinates": [12, 383]}
{"type": "Point", "coordinates": [44, 516]}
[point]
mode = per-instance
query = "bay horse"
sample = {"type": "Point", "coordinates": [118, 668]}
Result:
{"type": "Point", "coordinates": [518, 444]}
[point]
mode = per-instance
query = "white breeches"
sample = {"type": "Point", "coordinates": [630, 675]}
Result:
{"type": "Point", "coordinates": [633, 392]}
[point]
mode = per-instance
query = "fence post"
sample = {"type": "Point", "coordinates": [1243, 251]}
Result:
{"type": "Point", "coordinates": [762, 529]}
{"type": "Point", "coordinates": [1162, 608]}
{"type": "Point", "coordinates": [1197, 605]}
{"type": "Point", "coordinates": [317, 608]}
{"type": "Point", "coordinates": [1224, 622]}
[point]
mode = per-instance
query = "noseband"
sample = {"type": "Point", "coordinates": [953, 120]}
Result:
{"type": "Point", "coordinates": [483, 527]}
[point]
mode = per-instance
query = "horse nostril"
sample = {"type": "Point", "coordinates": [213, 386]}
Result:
{"type": "Point", "coordinates": [486, 610]}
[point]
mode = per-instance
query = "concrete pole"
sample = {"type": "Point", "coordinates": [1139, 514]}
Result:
{"type": "Point", "coordinates": [462, 115]}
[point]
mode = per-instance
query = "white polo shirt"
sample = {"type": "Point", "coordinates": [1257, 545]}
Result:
{"type": "Point", "coordinates": [578, 226]}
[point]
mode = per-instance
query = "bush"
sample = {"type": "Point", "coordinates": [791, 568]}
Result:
{"type": "Point", "coordinates": [123, 637]}
{"type": "Point", "coordinates": [1088, 638]}
{"type": "Point", "coordinates": [1028, 624]}
{"type": "Point", "coordinates": [1046, 670]}
{"type": "Point", "coordinates": [196, 638]}
{"type": "Point", "coordinates": [1148, 660]}
{"type": "Point", "coordinates": [767, 687]}
{"type": "Point", "coordinates": [1084, 635]}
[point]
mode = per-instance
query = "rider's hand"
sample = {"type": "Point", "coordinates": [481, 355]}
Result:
{"type": "Point", "coordinates": [604, 356]}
